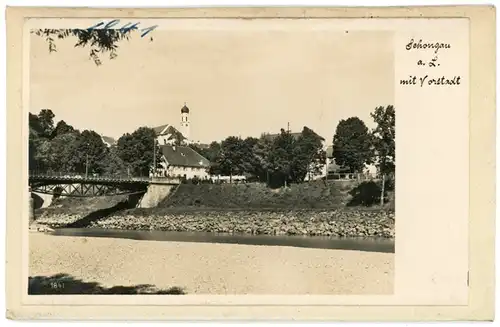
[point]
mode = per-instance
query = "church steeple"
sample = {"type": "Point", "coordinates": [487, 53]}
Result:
{"type": "Point", "coordinates": [185, 121]}
{"type": "Point", "coordinates": [185, 109]}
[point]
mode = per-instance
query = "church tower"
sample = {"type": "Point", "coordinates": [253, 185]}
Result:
{"type": "Point", "coordinates": [185, 121]}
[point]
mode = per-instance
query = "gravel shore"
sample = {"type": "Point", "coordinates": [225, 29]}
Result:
{"type": "Point", "coordinates": [206, 268]}
{"type": "Point", "coordinates": [342, 223]}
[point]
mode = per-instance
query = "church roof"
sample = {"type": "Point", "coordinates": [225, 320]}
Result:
{"type": "Point", "coordinates": [183, 156]}
{"type": "Point", "coordinates": [185, 109]}
{"type": "Point", "coordinates": [160, 129]}
{"type": "Point", "coordinates": [170, 131]}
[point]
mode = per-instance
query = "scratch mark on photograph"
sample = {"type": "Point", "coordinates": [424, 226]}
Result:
{"type": "Point", "coordinates": [211, 161]}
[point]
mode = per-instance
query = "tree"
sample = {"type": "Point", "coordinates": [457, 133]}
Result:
{"type": "Point", "coordinates": [62, 128]}
{"type": "Point", "coordinates": [40, 129]}
{"type": "Point", "coordinates": [383, 138]}
{"type": "Point", "coordinates": [261, 152]}
{"type": "Point", "coordinates": [101, 38]}
{"type": "Point", "coordinates": [136, 150]}
{"type": "Point", "coordinates": [64, 153]}
{"type": "Point", "coordinates": [211, 154]}
{"type": "Point", "coordinates": [178, 138]}
{"type": "Point", "coordinates": [309, 156]}
{"type": "Point", "coordinates": [352, 144]}
{"type": "Point", "coordinates": [231, 159]}
{"type": "Point", "coordinates": [250, 165]}
{"type": "Point", "coordinates": [43, 123]}
{"type": "Point", "coordinates": [280, 158]}
{"type": "Point", "coordinates": [113, 164]}
{"type": "Point", "coordinates": [92, 152]}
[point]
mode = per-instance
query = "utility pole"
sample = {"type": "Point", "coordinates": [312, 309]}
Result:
{"type": "Point", "coordinates": [288, 127]}
{"type": "Point", "coordinates": [87, 159]}
{"type": "Point", "coordinates": [87, 166]}
{"type": "Point", "coordinates": [154, 157]}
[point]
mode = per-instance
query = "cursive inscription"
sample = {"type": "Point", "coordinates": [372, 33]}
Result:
{"type": "Point", "coordinates": [124, 29]}
{"type": "Point", "coordinates": [419, 45]}
{"type": "Point", "coordinates": [430, 52]}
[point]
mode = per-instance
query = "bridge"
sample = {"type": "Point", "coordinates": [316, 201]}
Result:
{"type": "Point", "coordinates": [73, 185]}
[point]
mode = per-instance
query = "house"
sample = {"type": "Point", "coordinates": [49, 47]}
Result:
{"type": "Point", "coordinates": [183, 162]}
{"type": "Point", "coordinates": [333, 168]}
{"type": "Point", "coordinates": [108, 141]}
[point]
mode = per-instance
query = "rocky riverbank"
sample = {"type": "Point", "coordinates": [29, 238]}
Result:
{"type": "Point", "coordinates": [339, 222]}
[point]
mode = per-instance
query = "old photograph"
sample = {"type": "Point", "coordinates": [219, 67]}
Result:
{"type": "Point", "coordinates": [211, 156]}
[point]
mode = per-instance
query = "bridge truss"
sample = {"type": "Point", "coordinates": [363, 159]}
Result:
{"type": "Point", "coordinates": [86, 187]}
{"type": "Point", "coordinates": [83, 190]}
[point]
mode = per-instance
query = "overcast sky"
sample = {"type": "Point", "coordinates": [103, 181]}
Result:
{"type": "Point", "coordinates": [235, 82]}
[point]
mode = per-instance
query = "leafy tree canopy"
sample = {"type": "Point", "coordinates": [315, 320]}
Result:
{"type": "Point", "coordinates": [101, 39]}
{"type": "Point", "coordinates": [384, 136]}
{"type": "Point", "coordinates": [136, 150]}
{"type": "Point", "coordinates": [352, 144]}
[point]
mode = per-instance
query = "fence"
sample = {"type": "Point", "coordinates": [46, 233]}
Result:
{"type": "Point", "coordinates": [351, 176]}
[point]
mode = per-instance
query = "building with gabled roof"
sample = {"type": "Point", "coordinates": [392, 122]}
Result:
{"type": "Point", "coordinates": [183, 162]}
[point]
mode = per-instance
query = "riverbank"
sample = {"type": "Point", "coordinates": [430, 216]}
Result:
{"type": "Point", "coordinates": [336, 222]}
{"type": "Point", "coordinates": [204, 268]}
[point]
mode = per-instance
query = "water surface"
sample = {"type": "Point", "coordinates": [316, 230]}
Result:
{"type": "Point", "coordinates": [318, 242]}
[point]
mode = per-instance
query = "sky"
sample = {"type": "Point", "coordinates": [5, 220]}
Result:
{"type": "Point", "coordinates": [235, 82]}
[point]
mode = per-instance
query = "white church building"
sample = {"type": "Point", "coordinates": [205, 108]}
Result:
{"type": "Point", "coordinates": [177, 159]}
{"type": "Point", "coordinates": [168, 134]}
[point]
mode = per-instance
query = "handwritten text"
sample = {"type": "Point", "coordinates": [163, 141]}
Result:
{"type": "Point", "coordinates": [433, 62]}
{"type": "Point", "coordinates": [124, 29]}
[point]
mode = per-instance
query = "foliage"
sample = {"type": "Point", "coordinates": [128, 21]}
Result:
{"type": "Point", "coordinates": [309, 156]}
{"type": "Point", "coordinates": [113, 164]}
{"type": "Point", "coordinates": [384, 136]}
{"type": "Point", "coordinates": [352, 144]}
{"type": "Point", "coordinates": [64, 149]}
{"type": "Point", "coordinates": [92, 152]}
{"type": "Point", "coordinates": [62, 128]}
{"type": "Point", "coordinates": [178, 138]}
{"type": "Point", "coordinates": [43, 123]}
{"type": "Point", "coordinates": [64, 155]}
{"type": "Point", "coordinates": [280, 159]}
{"type": "Point", "coordinates": [211, 154]}
{"type": "Point", "coordinates": [231, 158]}
{"type": "Point", "coordinates": [136, 151]}
{"type": "Point", "coordinates": [99, 40]}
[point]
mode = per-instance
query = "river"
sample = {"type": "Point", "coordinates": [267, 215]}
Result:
{"type": "Point", "coordinates": [319, 242]}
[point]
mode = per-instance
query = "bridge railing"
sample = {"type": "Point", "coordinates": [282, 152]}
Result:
{"type": "Point", "coordinates": [128, 178]}
{"type": "Point", "coordinates": [85, 176]}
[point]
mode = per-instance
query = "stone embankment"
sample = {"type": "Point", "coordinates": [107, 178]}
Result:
{"type": "Point", "coordinates": [337, 222]}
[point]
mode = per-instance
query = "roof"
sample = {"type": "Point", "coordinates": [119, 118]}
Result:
{"type": "Point", "coordinates": [183, 156]}
{"type": "Point", "coordinates": [108, 140]}
{"type": "Point", "coordinates": [168, 130]}
{"type": "Point", "coordinates": [202, 145]}
{"type": "Point", "coordinates": [160, 129]}
{"type": "Point", "coordinates": [185, 109]}
{"type": "Point", "coordinates": [273, 136]}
